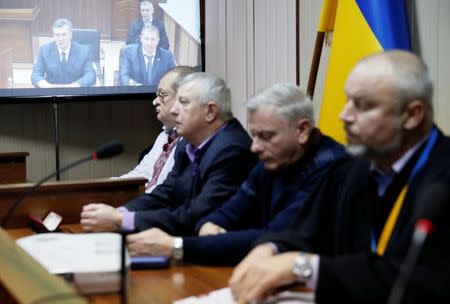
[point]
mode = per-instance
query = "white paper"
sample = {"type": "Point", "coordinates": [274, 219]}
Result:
{"type": "Point", "coordinates": [223, 296]}
{"type": "Point", "coordinates": [75, 253]}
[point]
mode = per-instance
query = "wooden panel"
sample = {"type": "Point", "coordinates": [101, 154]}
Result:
{"type": "Point", "coordinates": [66, 198]}
{"type": "Point", "coordinates": [187, 49]}
{"type": "Point", "coordinates": [123, 12]}
{"type": "Point", "coordinates": [13, 167]}
{"type": "Point", "coordinates": [6, 68]}
{"type": "Point", "coordinates": [23, 280]}
{"type": "Point", "coordinates": [16, 32]}
{"type": "Point", "coordinates": [82, 13]}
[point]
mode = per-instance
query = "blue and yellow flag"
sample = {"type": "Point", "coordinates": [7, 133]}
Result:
{"type": "Point", "coordinates": [361, 27]}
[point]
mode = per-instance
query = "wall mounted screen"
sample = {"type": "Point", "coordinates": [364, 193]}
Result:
{"type": "Point", "coordinates": [93, 48]}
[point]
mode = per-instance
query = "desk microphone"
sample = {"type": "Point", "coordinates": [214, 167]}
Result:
{"type": "Point", "coordinates": [108, 150]}
{"type": "Point", "coordinates": [436, 197]}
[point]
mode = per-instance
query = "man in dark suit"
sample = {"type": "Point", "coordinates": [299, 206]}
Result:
{"type": "Point", "coordinates": [354, 235]}
{"type": "Point", "coordinates": [144, 63]}
{"type": "Point", "coordinates": [211, 162]}
{"type": "Point", "coordinates": [294, 158]}
{"type": "Point", "coordinates": [63, 63]}
{"type": "Point", "coordinates": [135, 27]}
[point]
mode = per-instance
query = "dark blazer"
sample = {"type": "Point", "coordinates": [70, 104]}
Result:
{"type": "Point", "coordinates": [132, 65]}
{"type": "Point", "coordinates": [266, 202]}
{"type": "Point", "coordinates": [338, 223]}
{"type": "Point", "coordinates": [135, 28]}
{"type": "Point", "coordinates": [48, 66]}
{"type": "Point", "coordinates": [178, 203]}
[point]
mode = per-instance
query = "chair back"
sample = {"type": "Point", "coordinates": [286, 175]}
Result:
{"type": "Point", "coordinates": [90, 38]}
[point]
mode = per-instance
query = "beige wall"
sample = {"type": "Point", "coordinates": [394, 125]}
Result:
{"type": "Point", "coordinates": [251, 43]}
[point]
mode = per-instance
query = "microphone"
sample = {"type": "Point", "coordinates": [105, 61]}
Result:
{"type": "Point", "coordinates": [437, 197]}
{"type": "Point", "coordinates": [107, 150]}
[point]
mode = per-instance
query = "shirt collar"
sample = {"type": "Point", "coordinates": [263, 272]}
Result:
{"type": "Point", "coordinates": [66, 51]}
{"type": "Point", "coordinates": [193, 152]}
{"type": "Point", "coordinates": [148, 54]}
{"type": "Point", "coordinates": [148, 22]}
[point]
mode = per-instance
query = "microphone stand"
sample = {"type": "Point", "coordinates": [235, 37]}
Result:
{"type": "Point", "coordinates": [406, 269]}
{"type": "Point", "coordinates": [123, 270]}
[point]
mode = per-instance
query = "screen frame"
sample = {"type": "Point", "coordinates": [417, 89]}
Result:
{"type": "Point", "coordinates": [107, 93]}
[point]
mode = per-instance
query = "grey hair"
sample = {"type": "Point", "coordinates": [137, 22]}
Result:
{"type": "Point", "coordinates": [410, 77]}
{"type": "Point", "coordinates": [290, 101]}
{"type": "Point", "coordinates": [211, 88]}
{"type": "Point", "coordinates": [146, 3]}
{"type": "Point", "coordinates": [181, 71]}
{"type": "Point", "coordinates": [62, 22]}
{"type": "Point", "coordinates": [149, 28]}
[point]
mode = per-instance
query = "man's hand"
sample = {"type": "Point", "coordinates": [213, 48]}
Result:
{"type": "Point", "coordinates": [262, 275]}
{"type": "Point", "coordinates": [100, 217]}
{"type": "Point", "coordinates": [44, 84]}
{"type": "Point", "coordinates": [153, 241]}
{"type": "Point", "coordinates": [210, 228]}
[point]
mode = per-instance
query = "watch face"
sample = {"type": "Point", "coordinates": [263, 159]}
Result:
{"type": "Point", "coordinates": [302, 268]}
{"type": "Point", "coordinates": [177, 250]}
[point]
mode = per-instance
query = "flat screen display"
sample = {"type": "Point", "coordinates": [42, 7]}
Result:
{"type": "Point", "coordinates": [80, 48]}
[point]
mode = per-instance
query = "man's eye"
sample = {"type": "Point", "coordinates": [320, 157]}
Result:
{"type": "Point", "coordinates": [266, 136]}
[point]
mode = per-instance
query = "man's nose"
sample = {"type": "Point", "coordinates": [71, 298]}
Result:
{"type": "Point", "coordinates": [346, 114]}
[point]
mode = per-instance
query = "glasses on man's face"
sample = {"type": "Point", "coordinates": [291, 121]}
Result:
{"type": "Point", "coordinates": [161, 94]}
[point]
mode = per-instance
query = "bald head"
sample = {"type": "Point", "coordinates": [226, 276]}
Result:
{"type": "Point", "coordinates": [403, 73]}
{"type": "Point", "coordinates": [389, 105]}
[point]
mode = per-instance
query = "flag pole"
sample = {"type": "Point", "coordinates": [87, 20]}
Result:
{"type": "Point", "coordinates": [326, 24]}
{"type": "Point", "coordinates": [320, 37]}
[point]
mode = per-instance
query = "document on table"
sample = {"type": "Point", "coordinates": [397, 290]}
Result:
{"type": "Point", "coordinates": [223, 296]}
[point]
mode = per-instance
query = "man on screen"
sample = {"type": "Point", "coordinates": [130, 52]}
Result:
{"type": "Point", "coordinates": [63, 63]}
{"type": "Point", "coordinates": [144, 63]}
{"type": "Point", "coordinates": [135, 28]}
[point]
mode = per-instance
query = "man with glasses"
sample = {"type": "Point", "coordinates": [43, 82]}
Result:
{"type": "Point", "coordinates": [158, 162]}
{"type": "Point", "coordinates": [135, 28]}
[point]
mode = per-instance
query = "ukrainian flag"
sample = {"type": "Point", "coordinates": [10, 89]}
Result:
{"type": "Point", "coordinates": [360, 28]}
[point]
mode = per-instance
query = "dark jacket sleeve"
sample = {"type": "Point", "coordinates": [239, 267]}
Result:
{"type": "Point", "coordinates": [223, 249]}
{"type": "Point", "coordinates": [223, 177]}
{"type": "Point", "coordinates": [238, 207]}
{"type": "Point", "coordinates": [314, 220]}
{"type": "Point", "coordinates": [134, 32]}
{"type": "Point", "coordinates": [163, 40]}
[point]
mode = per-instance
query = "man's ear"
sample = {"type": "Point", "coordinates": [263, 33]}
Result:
{"type": "Point", "coordinates": [212, 111]}
{"type": "Point", "coordinates": [303, 129]}
{"type": "Point", "coordinates": [414, 114]}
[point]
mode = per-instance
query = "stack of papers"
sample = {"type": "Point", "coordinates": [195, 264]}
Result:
{"type": "Point", "coordinates": [223, 296]}
{"type": "Point", "coordinates": [92, 260]}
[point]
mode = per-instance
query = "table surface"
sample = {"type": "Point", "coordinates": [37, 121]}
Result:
{"type": "Point", "coordinates": [157, 285]}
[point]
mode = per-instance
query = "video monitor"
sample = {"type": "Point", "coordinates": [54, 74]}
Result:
{"type": "Point", "coordinates": [93, 49]}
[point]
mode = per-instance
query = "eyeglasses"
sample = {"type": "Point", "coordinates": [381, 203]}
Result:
{"type": "Point", "coordinates": [161, 94]}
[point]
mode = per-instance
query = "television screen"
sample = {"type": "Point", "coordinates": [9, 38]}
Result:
{"type": "Point", "coordinates": [76, 48]}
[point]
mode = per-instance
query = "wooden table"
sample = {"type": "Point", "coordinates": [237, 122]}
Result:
{"type": "Point", "coordinates": [66, 197]}
{"type": "Point", "coordinates": [158, 286]}
{"type": "Point", "coordinates": [13, 168]}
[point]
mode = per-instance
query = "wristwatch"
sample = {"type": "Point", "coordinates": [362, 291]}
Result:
{"type": "Point", "coordinates": [302, 268]}
{"type": "Point", "coordinates": [177, 249]}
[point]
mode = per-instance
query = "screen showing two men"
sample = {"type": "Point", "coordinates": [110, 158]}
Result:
{"type": "Point", "coordinates": [49, 48]}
